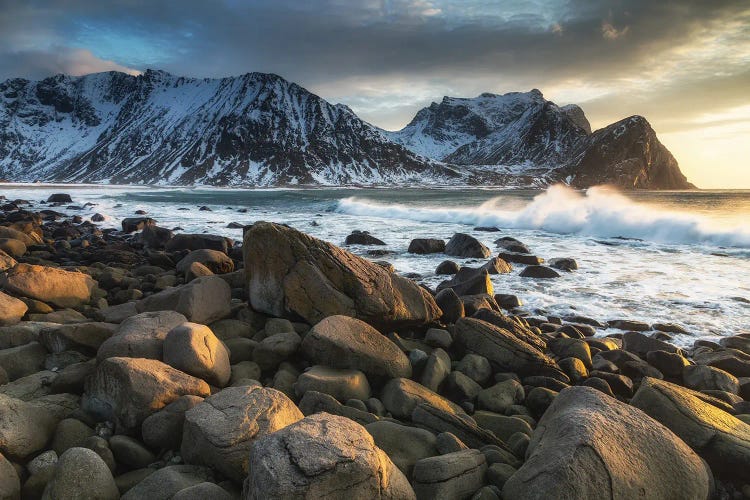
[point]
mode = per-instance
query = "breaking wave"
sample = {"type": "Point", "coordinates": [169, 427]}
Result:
{"type": "Point", "coordinates": [598, 212]}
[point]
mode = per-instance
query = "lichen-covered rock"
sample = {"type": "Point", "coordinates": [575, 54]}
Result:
{"type": "Point", "coordinates": [323, 456]}
{"type": "Point", "coordinates": [292, 274]}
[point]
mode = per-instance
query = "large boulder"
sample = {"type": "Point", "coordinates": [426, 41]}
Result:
{"type": "Point", "coordinates": [292, 274]}
{"type": "Point", "coordinates": [720, 438]}
{"type": "Point", "coordinates": [469, 281]}
{"type": "Point", "coordinates": [24, 427]}
{"type": "Point", "coordinates": [344, 342]}
{"type": "Point", "coordinates": [590, 446]}
{"type": "Point", "coordinates": [323, 456]}
{"type": "Point", "coordinates": [464, 245]}
{"type": "Point", "coordinates": [49, 284]}
{"type": "Point", "coordinates": [81, 473]}
{"type": "Point", "coordinates": [198, 242]}
{"type": "Point", "coordinates": [203, 300]}
{"type": "Point", "coordinates": [127, 390]}
{"type": "Point", "coordinates": [141, 336]}
{"type": "Point", "coordinates": [505, 351]}
{"type": "Point", "coordinates": [220, 431]}
{"type": "Point", "coordinates": [422, 246]}
{"type": "Point", "coordinates": [194, 349]}
{"type": "Point", "coordinates": [11, 310]}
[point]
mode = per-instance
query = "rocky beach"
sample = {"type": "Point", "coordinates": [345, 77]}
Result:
{"type": "Point", "coordinates": [145, 362]}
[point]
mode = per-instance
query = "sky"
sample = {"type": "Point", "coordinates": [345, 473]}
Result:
{"type": "Point", "coordinates": [683, 64]}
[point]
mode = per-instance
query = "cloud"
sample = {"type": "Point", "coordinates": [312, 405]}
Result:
{"type": "Point", "coordinates": [37, 64]}
{"type": "Point", "coordinates": [609, 32]}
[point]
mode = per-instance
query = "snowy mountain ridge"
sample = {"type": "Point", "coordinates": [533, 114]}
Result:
{"type": "Point", "coordinates": [261, 130]}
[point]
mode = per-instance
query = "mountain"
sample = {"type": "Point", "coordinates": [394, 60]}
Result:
{"type": "Point", "coordinates": [525, 139]}
{"type": "Point", "coordinates": [261, 130]}
{"type": "Point", "coordinates": [255, 129]}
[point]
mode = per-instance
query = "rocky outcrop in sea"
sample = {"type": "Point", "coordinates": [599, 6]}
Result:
{"type": "Point", "coordinates": [143, 364]}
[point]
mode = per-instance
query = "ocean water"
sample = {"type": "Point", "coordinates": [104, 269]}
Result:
{"type": "Point", "coordinates": [680, 257]}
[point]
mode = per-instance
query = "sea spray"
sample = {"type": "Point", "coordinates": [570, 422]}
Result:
{"type": "Point", "coordinates": [598, 212]}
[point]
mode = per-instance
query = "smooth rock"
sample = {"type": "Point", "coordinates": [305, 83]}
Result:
{"type": "Point", "coordinates": [454, 475]}
{"type": "Point", "coordinates": [404, 445]}
{"type": "Point", "coordinates": [81, 474]}
{"type": "Point", "coordinates": [342, 384]}
{"type": "Point", "coordinates": [49, 284]}
{"type": "Point", "coordinates": [195, 350]}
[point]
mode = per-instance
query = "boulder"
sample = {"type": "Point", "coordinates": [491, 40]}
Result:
{"type": "Point", "coordinates": [203, 300]}
{"type": "Point", "coordinates": [436, 368]}
{"type": "Point", "coordinates": [69, 433]}
{"type": "Point", "coordinates": [422, 246]}
{"type": "Point", "coordinates": [501, 396]}
{"type": "Point", "coordinates": [308, 278]}
{"type": "Point", "coordinates": [469, 281]}
{"type": "Point", "coordinates": [276, 348]}
{"type": "Point", "coordinates": [447, 267]}
{"type": "Point", "coordinates": [344, 342]}
{"type": "Point", "coordinates": [451, 305]}
{"type": "Point", "coordinates": [203, 491]}
{"type": "Point", "coordinates": [59, 198]}
{"type": "Point", "coordinates": [454, 475]}
{"type": "Point", "coordinates": [217, 262]}
{"type": "Point", "coordinates": [12, 248]}
{"type": "Point", "coordinates": [720, 438]}
{"type": "Point", "coordinates": [10, 484]}
{"type": "Point", "coordinates": [11, 310]}
{"type": "Point", "coordinates": [323, 456]}
{"type": "Point", "coordinates": [22, 360]}
{"type": "Point", "coordinates": [342, 384]}
{"type": "Point", "coordinates": [195, 350]}
{"type": "Point", "coordinates": [82, 337]}
{"type": "Point", "coordinates": [127, 390]}
{"type": "Point", "coordinates": [401, 395]}
{"type": "Point", "coordinates": [198, 242]}
{"type": "Point", "coordinates": [220, 431]}
{"type": "Point", "coordinates": [564, 263]}
{"type": "Point", "coordinates": [589, 445]}
{"type": "Point", "coordinates": [709, 378]}
{"type": "Point", "coordinates": [163, 429]}
{"type": "Point", "coordinates": [464, 245]}
{"type": "Point", "coordinates": [49, 284]}
{"type": "Point", "coordinates": [133, 224]}
{"type": "Point", "coordinates": [130, 452]}
{"type": "Point", "coordinates": [25, 428]}
{"type": "Point", "coordinates": [316, 402]}
{"type": "Point", "coordinates": [81, 473]}
{"type": "Point", "coordinates": [165, 483]}
{"type": "Point", "coordinates": [404, 445]}
{"type": "Point", "coordinates": [141, 336]}
{"type": "Point", "coordinates": [640, 344]}
{"type": "Point", "coordinates": [542, 272]}
{"type": "Point", "coordinates": [362, 238]}
{"type": "Point", "coordinates": [155, 236]}
{"type": "Point", "coordinates": [520, 258]}
{"type": "Point", "coordinates": [730, 360]}
{"type": "Point", "coordinates": [505, 351]}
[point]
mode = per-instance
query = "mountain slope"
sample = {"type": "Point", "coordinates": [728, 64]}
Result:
{"type": "Point", "coordinates": [255, 129]}
{"type": "Point", "coordinates": [523, 139]}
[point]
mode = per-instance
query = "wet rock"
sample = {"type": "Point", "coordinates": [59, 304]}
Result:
{"type": "Point", "coordinates": [362, 238]}
{"type": "Point", "coordinates": [630, 325]}
{"type": "Point", "coordinates": [48, 284]}
{"type": "Point", "coordinates": [423, 246]}
{"type": "Point", "coordinates": [578, 452]}
{"type": "Point", "coordinates": [59, 198]}
{"type": "Point", "coordinates": [464, 245]}
{"type": "Point", "coordinates": [195, 350]}
{"type": "Point", "coordinates": [520, 258]}
{"type": "Point", "coordinates": [564, 264]}
{"type": "Point", "coordinates": [221, 430]}
{"type": "Point", "coordinates": [447, 267]}
{"type": "Point", "coordinates": [81, 473]}
{"type": "Point", "coordinates": [127, 390]}
{"type": "Point", "coordinates": [720, 438]}
{"type": "Point", "coordinates": [344, 342]}
{"type": "Point", "coordinates": [156, 237]}
{"type": "Point", "coordinates": [454, 475]}
{"type": "Point", "coordinates": [323, 456]}
{"type": "Point", "coordinates": [542, 272]}
{"type": "Point", "coordinates": [496, 265]}
{"type": "Point", "coordinates": [312, 279]}
{"type": "Point", "coordinates": [133, 224]}
{"type": "Point", "coordinates": [469, 281]}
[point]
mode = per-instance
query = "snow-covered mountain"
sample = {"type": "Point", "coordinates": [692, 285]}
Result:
{"type": "Point", "coordinates": [524, 139]}
{"type": "Point", "coordinates": [255, 129]}
{"type": "Point", "coordinates": [259, 129]}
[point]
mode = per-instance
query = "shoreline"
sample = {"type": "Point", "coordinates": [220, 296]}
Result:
{"type": "Point", "coordinates": [142, 351]}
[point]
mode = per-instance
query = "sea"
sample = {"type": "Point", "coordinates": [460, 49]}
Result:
{"type": "Point", "coordinates": [656, 256]}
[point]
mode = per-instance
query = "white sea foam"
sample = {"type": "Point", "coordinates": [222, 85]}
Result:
{"type": "Point", "coordinates": [598, 212]}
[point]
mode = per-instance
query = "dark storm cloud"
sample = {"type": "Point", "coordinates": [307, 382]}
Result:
{"type": "Point", "coordinates": [332, 46]}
